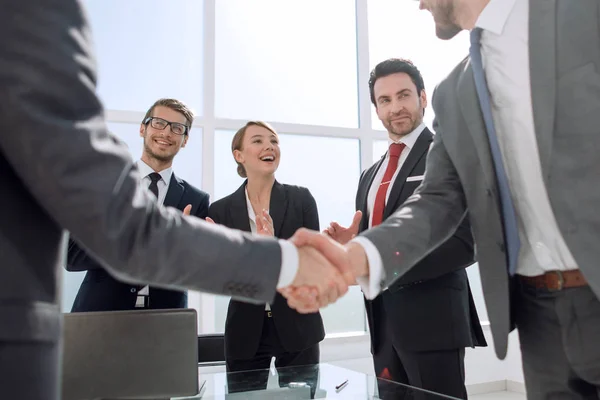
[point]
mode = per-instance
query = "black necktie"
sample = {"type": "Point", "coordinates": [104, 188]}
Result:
{"type": "Point", "coordinates": [154, 178]}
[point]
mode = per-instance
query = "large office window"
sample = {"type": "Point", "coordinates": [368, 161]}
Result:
{"type": "Point", "coordinates": [379, 149]}
{"type": "Point", "coordinates": [147, 49]}
{"type": "Point", "coordinates": [287, 61]}
{"type": "Point", "coordinates": [301, 65]}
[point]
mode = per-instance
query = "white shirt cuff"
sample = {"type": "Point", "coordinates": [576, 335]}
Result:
{"type": "Point", "coordinates": [371, 286]}
{"type": "Point", "coordinates": [289, 264]}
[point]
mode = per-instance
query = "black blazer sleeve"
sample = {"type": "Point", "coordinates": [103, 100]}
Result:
{"type": "Point", "coordinates": [202, 209]}
{"type": "Point", "coordinates": [357, 199]}
{"type": "Point", "coordinates": [78, 259]}
{"type": "Point", "coordinates": [216, 211]}
{"type": "Point", "coordinates": [310, 214]}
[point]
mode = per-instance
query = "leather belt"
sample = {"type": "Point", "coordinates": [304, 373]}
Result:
{"type": "Point", "coordinates": [556, 280]}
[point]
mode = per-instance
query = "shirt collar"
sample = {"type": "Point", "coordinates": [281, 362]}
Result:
{"type": "Point", "coordinates": [410, 139]}
{"type": "Point", "coordinates": [251, 214]}
{"type": "Point", "coordinates": [494, 16]}
{"type": "Point", "coordinates": [146, 170]}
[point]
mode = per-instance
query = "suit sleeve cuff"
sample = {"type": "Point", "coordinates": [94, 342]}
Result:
{"type": "Point", "coordinates": [289, 264]}
{"type": "Point", "coordinates": [371, 286]}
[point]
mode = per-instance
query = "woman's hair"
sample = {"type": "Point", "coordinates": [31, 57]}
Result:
{"type": "Point", "coordinates": [238, 138]}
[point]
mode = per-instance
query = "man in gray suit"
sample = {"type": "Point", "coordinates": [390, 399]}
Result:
{"type": "Point", "coordinates": [61, 170]}
{"type": "Point", "coordinates": [517, 143]}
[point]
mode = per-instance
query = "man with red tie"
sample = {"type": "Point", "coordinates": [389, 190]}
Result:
{"type": "Point", "coordinates": [420, 325]}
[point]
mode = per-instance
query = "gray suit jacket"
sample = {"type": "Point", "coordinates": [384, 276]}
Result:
{"type": "Point", "coordinates": [564, 40]}
{"type": "Point", "coordinates": [61, 170]}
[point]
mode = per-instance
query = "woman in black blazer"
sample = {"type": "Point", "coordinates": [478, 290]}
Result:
{"type": "Point", "coordinates": [256, 333]}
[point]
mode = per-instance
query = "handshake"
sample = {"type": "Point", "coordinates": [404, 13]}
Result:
{"type": "Point", "coordinates": [328, 263]}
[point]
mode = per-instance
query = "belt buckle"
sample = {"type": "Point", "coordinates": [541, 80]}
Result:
{"type": "Point", "coordinates": [561, 281]}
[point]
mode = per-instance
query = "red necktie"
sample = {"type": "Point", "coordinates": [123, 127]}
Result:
{"type": "Point", "coordinates": [379, 206]}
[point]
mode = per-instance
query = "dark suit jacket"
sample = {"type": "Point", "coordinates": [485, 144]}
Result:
{"type": "Point", "coordinates": [425, 310]}
{"type": "Point", "coordinates": [99, 291]}
{"type": "Point", "coordinates": [291, 208]}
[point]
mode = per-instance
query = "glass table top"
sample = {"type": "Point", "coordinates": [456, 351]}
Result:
{"type": "Point", "coordinates": [323, 381]}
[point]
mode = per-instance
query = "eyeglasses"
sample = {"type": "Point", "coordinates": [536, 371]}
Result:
{"type": "Point", "coordinates": [161, 124]}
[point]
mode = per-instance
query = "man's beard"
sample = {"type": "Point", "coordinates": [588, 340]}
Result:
{"type": "Point", "coordinates": [159, 157]}
{"type": "Point", "coordinates": [404, 132]}
{"type": "Point", "coordinates": [446, 28]}
{"type": "Point", "coordinates": [415, 120]}
{"type": "Point", "coordinates": [447, 32]}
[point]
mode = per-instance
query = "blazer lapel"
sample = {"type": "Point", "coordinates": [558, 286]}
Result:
{"type": "Point", "coordinates": [278, 206]}
{"type": "Point", "coordinates": [471, 111]}
{"type": "Point", "coordinates": [542, 67]}
{"type": "Point", "coordinates": [239, 210]}
{"type": "Point", "coordinates": [174, 193]}
{"type": "Point", "coordinates": [366, 188]}
{"type": "Point", "coordinates": [421, 147]}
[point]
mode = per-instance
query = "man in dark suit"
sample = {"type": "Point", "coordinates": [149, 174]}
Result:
{"type": "Point", "coordinates": [422, 323]}
{"type": "Point", "coordinates": [165, 130]}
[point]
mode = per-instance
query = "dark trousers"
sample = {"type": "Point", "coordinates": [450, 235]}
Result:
{"type": "Point", "coordinates": [559, 334]}
{"type": "Point", "coordinates": [257, 374]}
{"type": "Point", "coordinates": [440, 371]}
{"type": "Point", "coordinates": [437, 371]}
{"type": "Point", "coordinates": [29, 370]}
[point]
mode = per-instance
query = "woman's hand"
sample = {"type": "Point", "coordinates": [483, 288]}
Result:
{"type": "Point", "coordinates": [264, 224]}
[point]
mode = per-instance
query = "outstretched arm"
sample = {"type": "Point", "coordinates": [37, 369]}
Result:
{"type": "Point", "coordinates": [85, 180]}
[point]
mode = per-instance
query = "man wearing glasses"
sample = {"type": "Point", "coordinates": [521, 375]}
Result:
{"type": "Point", "coordinates": [165, 130]}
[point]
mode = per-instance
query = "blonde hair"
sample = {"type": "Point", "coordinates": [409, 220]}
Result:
{"type": "Point", "coordinates": [238, 139]}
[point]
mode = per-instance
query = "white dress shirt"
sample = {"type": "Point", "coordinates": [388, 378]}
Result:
{"type": "Point", "coordinates": [163, 187]}
{"type": "Point", "coordinates": [370, 285]}
{"type": "Point", "coordinates": [163, 184]}
{"type": "Point", "coordinates": [505, 53]}
{"type": "Point", "coordinates": [253, 228]}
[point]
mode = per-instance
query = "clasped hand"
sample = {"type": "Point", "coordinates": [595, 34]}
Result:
{"type": "Point", "coordinates": [326, 268]}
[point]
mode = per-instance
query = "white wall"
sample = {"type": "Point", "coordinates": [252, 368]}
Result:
{"type": "Point", "coordinates": [515, 370]}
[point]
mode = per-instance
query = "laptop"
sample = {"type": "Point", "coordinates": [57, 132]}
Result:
{"type": "Point", "coordinates": [145, 354]}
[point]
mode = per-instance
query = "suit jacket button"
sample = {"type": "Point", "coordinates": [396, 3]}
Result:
{"type": "Point", "coordinates": [133, 290]}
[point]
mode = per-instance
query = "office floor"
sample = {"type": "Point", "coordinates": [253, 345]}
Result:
{"type": "Point", "coordinates": [499, 396]}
